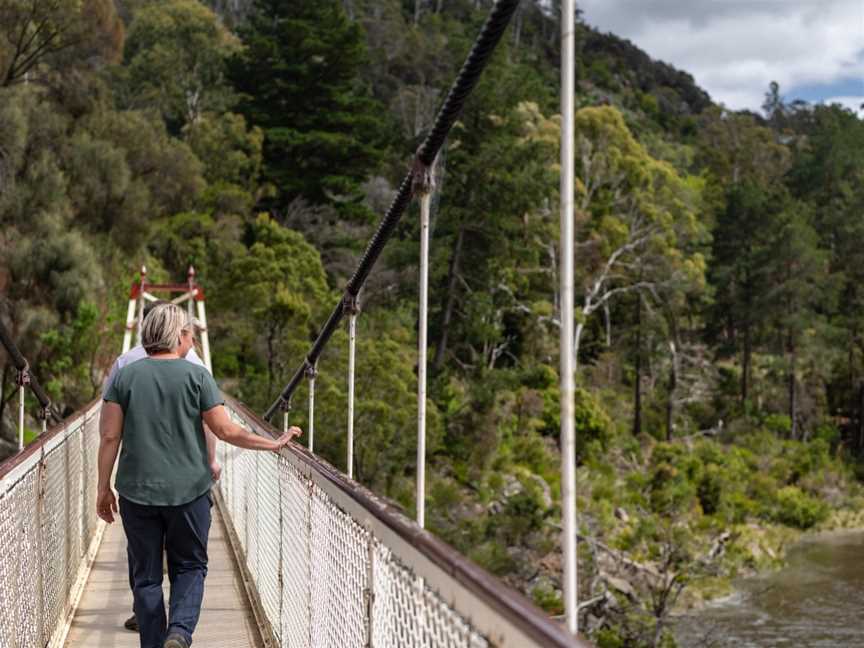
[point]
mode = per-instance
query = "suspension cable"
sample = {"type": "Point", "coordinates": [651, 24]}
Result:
{"type": "Point", "coordinates": [468, 77]}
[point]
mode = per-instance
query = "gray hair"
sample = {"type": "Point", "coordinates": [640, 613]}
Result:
{"type": "Point", "coordinates": [162, 327]}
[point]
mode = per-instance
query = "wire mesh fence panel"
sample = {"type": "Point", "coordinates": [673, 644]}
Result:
{"type": "Point", "coordinates": [47, 525]}
{"type": "Point", "coordinates": [340, 575]}
{"type": "Point", "coordinates": [54, 528]}
{"type": "Point", "coordinates": [240, 465]}
{"type": "Point", "coordinates": [75, 505]}
{"type": "Point", "coordinates": [90, 475]}
{"type": "Point", "coordinates": [21, 601]}
{"type": "Point", "coordinates": [296, 582]}
{"type": "Point", "coordinates": [408, 613]}
{"type": "Point", "coordinates": [269, 538]}
{"type": "Point", "coordinates": [330, 593]}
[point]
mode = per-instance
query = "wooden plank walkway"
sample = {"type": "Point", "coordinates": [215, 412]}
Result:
{"type": "Point", "coordinates": [226, 616]}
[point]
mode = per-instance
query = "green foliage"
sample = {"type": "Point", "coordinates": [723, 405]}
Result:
{"type": "Point", "coordinates": [797, 509]}
{"type": "Point", "coordinates": [298, 79]}
{"type": "Point", "coordinates": [229, 151]}
{"type": "Point", "coordinates": [174, 62]}
{"type": "Point", "coordinates": [592, 424]}
{"type": "Point", "coordinates": [42, 38]}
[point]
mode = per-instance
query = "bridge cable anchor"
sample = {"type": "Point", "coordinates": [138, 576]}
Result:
{"type": "Point", "coordinates": [422, 177]}
{"type": "Point", "coordinates": [350, 305]}
{"type": "Point", "coordinates": [23, 377]}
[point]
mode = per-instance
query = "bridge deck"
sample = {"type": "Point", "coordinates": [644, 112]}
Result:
{"type": "Point", "coordinates": [226, 616]}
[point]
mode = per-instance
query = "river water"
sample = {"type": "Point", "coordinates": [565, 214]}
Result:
{"type": "Point", "coordinates": [817, 601]}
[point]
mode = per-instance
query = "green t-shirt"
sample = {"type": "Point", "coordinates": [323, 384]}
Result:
{"type": "Point", "coordinates": [163, 459]}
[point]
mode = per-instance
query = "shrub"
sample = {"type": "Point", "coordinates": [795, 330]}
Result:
{"type": "Point", "coordinates": [593, 425]}
{"type": "Point", "coordinates": [778, 424]}
{"type": "Point", "coordinates": [709, 490]}
{"type": "Point", "coordinates": [797, 509]}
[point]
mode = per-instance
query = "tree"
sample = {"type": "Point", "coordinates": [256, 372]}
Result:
{"type": "Point", "coordinates": [636, 219]}
{"type": "Point", "coordinates": [174, 62]}
{"type": "Point", "coordinates": [53, 34]}
{"type": "Point", "coordinates": [270, 297]}
{"type": "Point", "coordinates": [800, 292]}
{"type": "Point", "coordinates": [298, 79]}
{"type": "Point", "coordinates": [741, 251]}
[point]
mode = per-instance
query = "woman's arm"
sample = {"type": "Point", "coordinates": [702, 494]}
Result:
{"type": "Point", "coordinates": [218, 421]}
{"type": "Point", "coordinates": [110, 433]}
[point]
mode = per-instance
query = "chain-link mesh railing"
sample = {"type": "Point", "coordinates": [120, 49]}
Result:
{"type": "Point", "coordinates": [331, 565]}
{"type": "Point", "coordinates": [48, 531]}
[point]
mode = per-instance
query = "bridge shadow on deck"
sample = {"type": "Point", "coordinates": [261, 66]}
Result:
{"type": "Point", "coordinates": [226, 616]}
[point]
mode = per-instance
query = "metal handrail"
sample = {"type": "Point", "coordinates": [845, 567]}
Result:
{"type": "Point", "coordinates": [24, 370]}
{"type": "Point", "coordinates": [414, 180]}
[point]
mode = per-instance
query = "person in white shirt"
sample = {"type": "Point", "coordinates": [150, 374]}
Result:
{"type": "Point", "coordinates": [138, 353]}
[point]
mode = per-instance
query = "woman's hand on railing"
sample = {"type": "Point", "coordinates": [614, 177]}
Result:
{"type": "Point", "coordinates": [283, 440]}
{"type": "Point", "coordinates": [106, 505]}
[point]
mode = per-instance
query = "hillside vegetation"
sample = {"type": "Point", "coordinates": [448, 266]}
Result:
{"type": "Point", "coordinates": [720, 404]}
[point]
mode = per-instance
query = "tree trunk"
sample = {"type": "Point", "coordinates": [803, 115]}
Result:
{"type": "Point", "coordinates": [861, 417]}
{"type": "Point", "coordinates": [673, 383]}
{"type": "Point", "coordinates": [637, 396]}
{"type": "Point", "coordinates": [745, 365]}
{"type": "Point", "coordinates": [517, 28]}
{"type": "Point", "coordinates": [417, 4]}
{"type": "Point", "coordinates": [608, 321]}
{"type": "Point", "coordinates": [3, 395]}
{"type": "Point", "coordinates": [793, 392]}
{"type": "Point", "coordinates": [577, 338]}
{"type": "Point", "coordinates": [441, 348]}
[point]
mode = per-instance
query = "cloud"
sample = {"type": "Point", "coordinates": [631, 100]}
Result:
{"type": "Point", "coordinates": [734, 49]}
{"type": "Point", "coordinates": [852, 103]}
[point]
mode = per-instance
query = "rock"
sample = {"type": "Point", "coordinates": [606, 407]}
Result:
{"type": "Point", "coordinates": [512, 487]}
{"type": "Point", "coordinates": [620, 585]}
{"type": "Point", "coordinates": [621, 514]}
{"type": "Point", "coordinates": [545, 490]}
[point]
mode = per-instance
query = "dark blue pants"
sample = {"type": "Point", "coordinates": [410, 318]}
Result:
{"type": "Point", "coordinates": [181, 532]}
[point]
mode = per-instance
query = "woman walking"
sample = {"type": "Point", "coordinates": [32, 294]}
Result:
{"type": "Point", "coordinates": [157, 407]}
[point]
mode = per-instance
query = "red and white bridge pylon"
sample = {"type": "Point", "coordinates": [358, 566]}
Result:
{"type": "Point", "coordinates": [190, 293]}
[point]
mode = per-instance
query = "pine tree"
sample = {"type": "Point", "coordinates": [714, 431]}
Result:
{"type": "Point", "coordinates": [298, 75]}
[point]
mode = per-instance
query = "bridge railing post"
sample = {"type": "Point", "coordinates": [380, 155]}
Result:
{"type": "Point", "coordinates": [424, 183]}
{"type": "Point", "coordinates": [22, 382]}
{"type": "Point", "coordinates": [311, 373]}
{"type": "Point", "coordinates": [351, 305]}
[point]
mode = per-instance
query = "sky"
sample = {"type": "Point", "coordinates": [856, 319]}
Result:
{"type": "Point", "coordinates": [734, 48]}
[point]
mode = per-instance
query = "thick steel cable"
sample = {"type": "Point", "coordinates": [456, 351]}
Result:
{"type": "Point", "coordinates": [469, 75]}
{"type": "Point", "coordinates": [21, 364]}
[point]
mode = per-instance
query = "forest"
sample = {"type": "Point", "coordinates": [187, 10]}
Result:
{"type": "Point", "coordinates": [720, 345]}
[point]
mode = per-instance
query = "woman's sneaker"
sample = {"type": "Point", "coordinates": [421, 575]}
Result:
{"type": "Point", "coordinates": [175, 641]}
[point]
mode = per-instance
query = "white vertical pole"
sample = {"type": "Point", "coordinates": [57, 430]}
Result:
{"type": "Point", "coordinates": [568, 427]}
{"type": "Point", "coordinates": [284, 422]}
{"type": "Point", "coordinates": [205, 338]}
{"type": "Point", "coordinates": [352, 347]}
{"type": "Point", "coordinates": [425, 203]}
{"type": "Point", "coordinates": [21, 418]}
{"type": "Point", "coordinates": [190, 280]}
{"type": "Point", "coordinates": [140, 320]}
{"type": "Point", "coordinates": [311, 407]}
{"type": "Point", "coordinates": [130, 324]}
